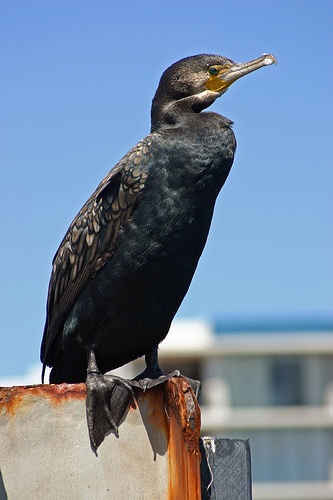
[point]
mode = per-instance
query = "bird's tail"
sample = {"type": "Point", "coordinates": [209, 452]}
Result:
{"type": "Point", "coordinates": [43, 372]}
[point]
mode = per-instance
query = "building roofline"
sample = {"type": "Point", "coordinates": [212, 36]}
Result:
{"type": "Point", "coordinates": [270, 324]}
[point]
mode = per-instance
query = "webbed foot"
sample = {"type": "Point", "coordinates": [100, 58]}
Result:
{"type": "Point", "coordinates": [146, 381]}
{"type": "Point", "coordinates": [106, 402]}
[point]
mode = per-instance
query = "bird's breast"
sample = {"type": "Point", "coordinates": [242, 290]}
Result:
{"type": "Point", "coordinates": [159, 246]}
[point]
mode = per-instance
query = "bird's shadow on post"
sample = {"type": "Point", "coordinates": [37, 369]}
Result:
{"type": "Point", "coordinates": [3, 493]}
{"type": "Point", "coordinates": [151, 405]}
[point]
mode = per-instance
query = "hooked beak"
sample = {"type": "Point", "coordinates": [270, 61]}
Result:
{"type": "Point", "coordinates": [229, 73]}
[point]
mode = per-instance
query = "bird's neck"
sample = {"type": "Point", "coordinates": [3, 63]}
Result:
{"type": "Point", "coordinates": [168, 112]}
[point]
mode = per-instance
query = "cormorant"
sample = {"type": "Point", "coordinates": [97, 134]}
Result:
{"type": "Point", "coordinates": [128, 258]}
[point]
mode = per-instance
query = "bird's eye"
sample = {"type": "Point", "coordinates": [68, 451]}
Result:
{"type": "Point", "coordinates": [213, 71]}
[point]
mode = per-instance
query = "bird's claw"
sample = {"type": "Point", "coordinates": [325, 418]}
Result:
{"type": "Point", "coordinates": [106, 403]}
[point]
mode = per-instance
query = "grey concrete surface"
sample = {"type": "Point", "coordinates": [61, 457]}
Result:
{"type": "Point", "coordinates": [45, 451]}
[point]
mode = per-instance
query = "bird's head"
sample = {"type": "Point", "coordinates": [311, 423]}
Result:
{"type": "Point", "coordinates": [192, 84]}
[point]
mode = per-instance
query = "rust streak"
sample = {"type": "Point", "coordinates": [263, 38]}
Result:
{"type": "Point", "coordinates": [12, 397]}
{"type": "Point", "coordinates": [183, 447]}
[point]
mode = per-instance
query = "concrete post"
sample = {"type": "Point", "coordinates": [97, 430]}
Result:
{"type": "Point", "coordinates": [45, 451]}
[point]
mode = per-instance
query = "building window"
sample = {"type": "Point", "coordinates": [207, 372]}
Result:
{"type": "Point", "coordinates": [286, 381]}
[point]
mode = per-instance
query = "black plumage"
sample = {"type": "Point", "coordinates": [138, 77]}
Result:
{"type": "Point", "coordinates": [127, 260]}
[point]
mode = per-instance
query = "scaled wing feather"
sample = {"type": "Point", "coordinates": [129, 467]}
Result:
{"type": "Point", "coordinates": [91, 239]}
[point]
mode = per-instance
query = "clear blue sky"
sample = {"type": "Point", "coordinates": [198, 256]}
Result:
{"type": "Point", "coordinates": [77, 79]}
